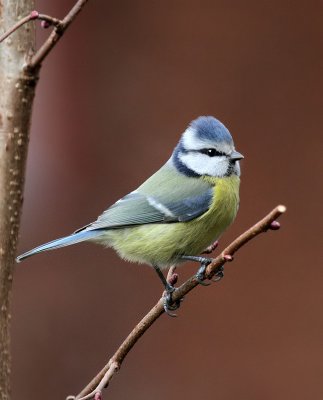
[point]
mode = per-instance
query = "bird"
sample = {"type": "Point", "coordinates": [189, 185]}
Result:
{"type": "Point", "coordinates": [177, 212]}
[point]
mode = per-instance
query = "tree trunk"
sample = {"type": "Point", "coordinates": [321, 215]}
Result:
{"type": "Point", "coordinates": [17, 90]}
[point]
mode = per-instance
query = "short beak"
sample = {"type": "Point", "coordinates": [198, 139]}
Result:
{"type": "Point", "coordinates": [235, 156]}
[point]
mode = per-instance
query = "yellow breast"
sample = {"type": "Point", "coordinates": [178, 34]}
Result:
{"type": "Point", "coordinates": [225, 202]}
{"type": "Point", "coordinates": [164, 244]}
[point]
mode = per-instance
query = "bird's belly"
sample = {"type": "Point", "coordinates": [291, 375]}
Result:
{"type": "Point", "coordinates": [164, 244]}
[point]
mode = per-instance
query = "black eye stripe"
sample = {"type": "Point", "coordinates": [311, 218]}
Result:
{"type": "Point", "coordinates": [211, 152]}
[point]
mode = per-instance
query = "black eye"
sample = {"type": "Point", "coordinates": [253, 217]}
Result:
{"type": "Point", "coordinates": [211, 152]}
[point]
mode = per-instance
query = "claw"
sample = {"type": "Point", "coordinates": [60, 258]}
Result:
{"type": "Point", "coordinates": [200, 275]}
{"type": "Point", "coordinates": [219, 274]}
{"type": "Point", "coordinates": [169, 304]}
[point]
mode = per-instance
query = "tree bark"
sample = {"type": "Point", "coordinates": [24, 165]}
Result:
{"type": "Point", "coordinates": [17, 88]}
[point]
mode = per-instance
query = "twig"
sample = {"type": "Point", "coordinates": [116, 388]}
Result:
{"type": "Point", "coordinates": [32, 16]}
{"type": "Point", "coordinates": [50, 20]}
{"type": "Point", "coordinates": [60, 27]}
{"type": "Point", "coordinates": [54, 37]}
{"type": "Point", "coordinates": [102, 379]}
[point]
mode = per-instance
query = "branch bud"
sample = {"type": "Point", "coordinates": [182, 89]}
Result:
{"type": "Point", "coordinates": [274, 226]}
{"type": "Point", "coordinates": [34, 14]}
{"type": "Point", "coordinates": [98, 396]}
{"type": "Point", "coordinates": [45, 24]}
{"type": "Point", "coordinates": [173, 279]}
{"type": "Point", "coordinates": [227, 257]}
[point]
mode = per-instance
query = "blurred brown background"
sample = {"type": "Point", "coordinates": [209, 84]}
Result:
{"type": "Point", "coordinates": [112, 100]}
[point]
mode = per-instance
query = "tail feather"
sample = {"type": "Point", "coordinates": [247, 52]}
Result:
{"type": "Point", "coordinates": [62, 242]}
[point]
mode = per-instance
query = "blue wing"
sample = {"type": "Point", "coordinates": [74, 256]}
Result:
{"type": "Point", "coordinates": [167, 196]}
{"type": "Point", "coordinates": [138, 209]}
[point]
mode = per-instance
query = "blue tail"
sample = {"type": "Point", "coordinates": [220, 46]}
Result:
{"type": "Point", "coordinates": [62, 242]}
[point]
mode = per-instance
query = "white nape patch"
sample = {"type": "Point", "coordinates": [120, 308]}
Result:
{"type": "Point", "coordinates": [205, 165]}
{"type": "Point", "coordinates": [160, 207]}
{"type": "Point", "coordinates": [192, 142]}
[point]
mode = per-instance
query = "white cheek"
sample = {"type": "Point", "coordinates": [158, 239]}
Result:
{"type": "Point", "coordinates": [204, 165]}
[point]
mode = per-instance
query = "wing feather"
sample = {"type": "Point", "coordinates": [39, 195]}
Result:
{"type": "Point", "coordinates": [166, 197]}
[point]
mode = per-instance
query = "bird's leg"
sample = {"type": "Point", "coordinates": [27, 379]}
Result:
{"type": "Point", "coordinates": [169, 304]}
{"type": "Point", "coordinates": [200, 275]}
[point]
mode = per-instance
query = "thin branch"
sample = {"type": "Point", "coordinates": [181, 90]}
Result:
{"type": "Point", "coordinates": [60, 27]}
{"type": "Point", "coordinates": [33, 15]}
{"type": "Point", "coordinates": [55, 35]}
{"type": "Point", "coordinates": [49, 20]}
{"type": "Point", "coordinates": [102, 379]}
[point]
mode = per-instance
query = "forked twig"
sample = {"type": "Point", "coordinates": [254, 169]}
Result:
{"type": "Point", "coordinates": [55, 35]}
{"type": "Point", "coordinates": [59, 26]}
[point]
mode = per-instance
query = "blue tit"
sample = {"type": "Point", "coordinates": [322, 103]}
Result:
{"type": "Point", "coordinates": [177, 212]}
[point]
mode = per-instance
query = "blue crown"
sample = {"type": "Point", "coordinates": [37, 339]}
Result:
{"type": "Point", "coordinates": [207, 127]}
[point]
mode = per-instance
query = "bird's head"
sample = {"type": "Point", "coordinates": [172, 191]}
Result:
{"type": "Point", "coordinates": [206, 148]}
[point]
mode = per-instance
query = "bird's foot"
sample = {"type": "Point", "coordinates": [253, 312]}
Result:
{"type": "Point", "coordinates": [200, 275]}
{"type": "Point", "coordinates": [169, 304]}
